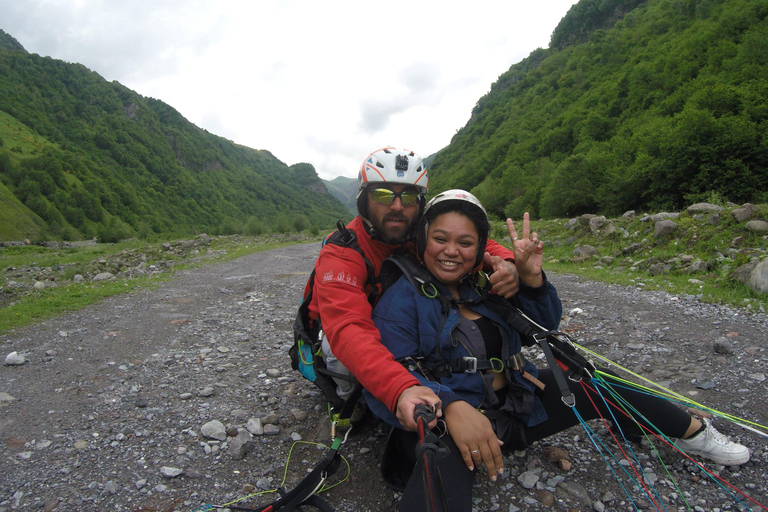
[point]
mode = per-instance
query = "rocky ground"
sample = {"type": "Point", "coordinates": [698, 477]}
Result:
{"type": "Point", "coordinates": [118, 406]}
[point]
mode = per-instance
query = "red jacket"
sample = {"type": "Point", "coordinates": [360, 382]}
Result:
{"type": "Point", "coordinates": [340, 298]}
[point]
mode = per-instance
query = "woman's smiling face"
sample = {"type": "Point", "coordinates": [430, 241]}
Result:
{"type": "Point", "coordinates": [451, 248]}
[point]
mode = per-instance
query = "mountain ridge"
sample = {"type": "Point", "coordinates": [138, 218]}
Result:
{"type": "Point", "coordinates": [644, 105]}
{"type": "Point", "coordinates": [85, 157]}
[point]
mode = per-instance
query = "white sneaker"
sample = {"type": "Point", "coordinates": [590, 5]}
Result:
{"type": "Point", "coordinates": [713, 445]}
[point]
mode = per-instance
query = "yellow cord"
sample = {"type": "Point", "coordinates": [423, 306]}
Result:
{"type": "Point", "coordinates": [668, 392]}
{"type": "Point", "coordinates": [285, 476]}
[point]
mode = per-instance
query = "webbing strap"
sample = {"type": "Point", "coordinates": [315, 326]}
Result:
{"type": "Point", "coordinates": [557, 371]}
{"type": "Point", "coordinates": [305, 489]}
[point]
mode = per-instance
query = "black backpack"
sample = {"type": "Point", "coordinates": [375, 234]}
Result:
{"type": "Point", "coordinates": [306, 353]}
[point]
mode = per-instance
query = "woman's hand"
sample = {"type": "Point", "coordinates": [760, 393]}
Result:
{"type": "Point", "coordinates": [529, 253]}
{"type": "Point", "coordinates": [473, 434]}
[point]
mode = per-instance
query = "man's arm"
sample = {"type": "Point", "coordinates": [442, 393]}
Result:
{"type": "Point", "coordinates": [342, 303]}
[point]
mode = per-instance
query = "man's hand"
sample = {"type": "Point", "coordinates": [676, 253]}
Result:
{"type": "Point", "coordinates": [472, 432]}
{"type": "Point", "coordinates": [408, 401]}
{"type": "Point", "coordinates": [504, 280]}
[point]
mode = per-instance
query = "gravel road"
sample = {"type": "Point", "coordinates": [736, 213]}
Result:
{"type": "Point", "coordinates": [134, 404]}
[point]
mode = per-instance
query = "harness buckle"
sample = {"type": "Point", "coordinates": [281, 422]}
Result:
{"type": "Point", "coordinates": [517, 361]}
{"type": "Point", "coordinates": [472, 363]}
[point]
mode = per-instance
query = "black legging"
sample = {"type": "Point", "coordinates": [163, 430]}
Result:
{"type": "Point", "coordinates": [458, 479]}
{"type": "Point", "coordinates": [670, 419]}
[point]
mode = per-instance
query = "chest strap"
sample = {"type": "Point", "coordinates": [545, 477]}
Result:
{"type": "Point", "coordinates": [470, 364]}
{"type": "Point", "coordinates": [466, 364]}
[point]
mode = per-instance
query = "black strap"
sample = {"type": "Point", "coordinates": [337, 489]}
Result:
{"type": "Point", "coordinates": [305, 490]}
{"type": "Point", "coordinates": [346, 237]}
{"type": "Point", "coordinates": [557, 371]}
{"type": "Point", "coordinates": [468, 364]}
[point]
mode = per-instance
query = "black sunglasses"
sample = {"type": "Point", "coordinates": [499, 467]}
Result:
{"type": "Point", "coordinates": [386, 196]}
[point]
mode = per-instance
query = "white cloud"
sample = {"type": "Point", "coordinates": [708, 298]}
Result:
{"type": "Point", "coordinates": [317, 82]}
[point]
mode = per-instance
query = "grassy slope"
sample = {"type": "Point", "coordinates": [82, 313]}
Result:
{"type": "Point", "coordinates": [632, 254]}
{"type": "Point", "coordinates": [17, 222]}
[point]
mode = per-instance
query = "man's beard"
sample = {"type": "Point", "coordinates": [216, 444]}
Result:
{"type": "Point", "coordinates": [393, 236]}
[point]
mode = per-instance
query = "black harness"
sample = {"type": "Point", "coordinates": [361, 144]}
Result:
{"type": "Point", "coordinates": [557, 346]}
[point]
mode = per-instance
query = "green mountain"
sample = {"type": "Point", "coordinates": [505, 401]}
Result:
{"type": "Point", "coordinates": [644, 105]}
{"type": "Point", "coordinates": [345, 190]}
{"type": "Point", "coordinates": [83, 157]}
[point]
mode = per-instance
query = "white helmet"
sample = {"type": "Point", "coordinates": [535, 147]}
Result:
{"type": "Point", "coordinates": [390, 165]}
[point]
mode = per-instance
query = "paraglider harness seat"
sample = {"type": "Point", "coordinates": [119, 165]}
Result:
{"type": "Point", "coordinates": [557, 346]}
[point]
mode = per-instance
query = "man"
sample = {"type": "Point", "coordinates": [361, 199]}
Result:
{"type": "Point", "coordinates": [392, 185]}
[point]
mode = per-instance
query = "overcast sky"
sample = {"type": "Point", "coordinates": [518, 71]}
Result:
{"type": "Point", "coordinates": [310, 81]}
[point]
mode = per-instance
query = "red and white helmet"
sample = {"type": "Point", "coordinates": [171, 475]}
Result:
{"type": "Point", "coordinates": [390, 165]}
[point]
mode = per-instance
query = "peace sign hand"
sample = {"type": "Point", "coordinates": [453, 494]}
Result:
{"type": "Point", "coordinates": [529, 252]}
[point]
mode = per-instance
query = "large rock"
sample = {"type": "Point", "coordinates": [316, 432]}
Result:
{"type": "Point", "coordinates": [744, 273]}
{"type": "Point", "coordinates": [586, 251]}
{"type": "Point", "coordinates": [656, 217]}
{"type": "Point", "coordinates": [744, 212]}
{"type": "Point", "coordinates": [704, 208]}
{"type": "Point", "coordinates": [572, 223]}
{"type": "Point", "coordinates": [664, 228]}
{"type": "Point", "coordinates": [597, 224]}
{"type": "Point", "coordinates": [696, 266]}
{"type": "Point", "coordinates": [757, 226]}
{"type": "Point", "coordinates": [758, 280]}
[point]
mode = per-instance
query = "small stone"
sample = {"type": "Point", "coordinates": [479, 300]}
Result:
{"type": "Point", "coordinates": [214, 430]}
{"type": "Point", "coordinates": [271, 430]}
{"type": "Point", "coordinates": [241, 444]}
{"type": "Point", "coordinates": [528, 479]}
{"type": "Point", "coordinates": [5, 398]}
{"type": "Point", "coordinates": [170, 472]}
{"type": "Point", "coordinates": [15, 359]}
{"type": "Point", "coordinates": [254, 426]}
{"type": "Point", "coordinates": [206, 391]}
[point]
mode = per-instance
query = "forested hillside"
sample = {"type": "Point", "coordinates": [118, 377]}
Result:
{"type": "Point", "coordinates": [82, 157]}
{"type": "Point", "coordinates": [636, 105]}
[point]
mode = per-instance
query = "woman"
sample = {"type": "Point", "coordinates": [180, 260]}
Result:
{"type": "Point", "coordinates": [424, 330]}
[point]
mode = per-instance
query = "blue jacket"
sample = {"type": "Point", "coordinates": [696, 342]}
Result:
{"type": "Point", "coordinates": [409, 323]}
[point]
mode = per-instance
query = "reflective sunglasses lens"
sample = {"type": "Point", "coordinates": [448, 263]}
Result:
{"type": "Point", "coordinates": [383, 195]}
{"type": "Point", "coordinates": [409, 198]}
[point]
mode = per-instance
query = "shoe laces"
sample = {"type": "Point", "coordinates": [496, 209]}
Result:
{"type": "Point", "coordinates": [715, 435]}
